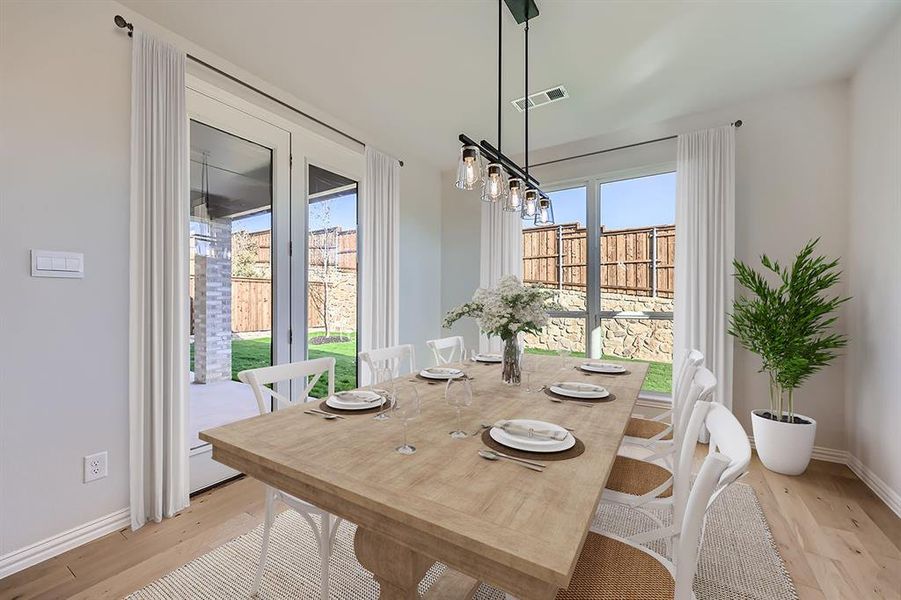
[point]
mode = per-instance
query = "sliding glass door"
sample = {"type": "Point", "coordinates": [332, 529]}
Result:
{"type": "Point", "coordinates": [239, 266]}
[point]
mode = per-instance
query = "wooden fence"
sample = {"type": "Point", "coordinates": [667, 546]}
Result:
{"type": "Point", "coordinates": [638, 261]}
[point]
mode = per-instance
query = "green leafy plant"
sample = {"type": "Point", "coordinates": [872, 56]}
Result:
{"type": "Point", "coordinates": [788, 323]}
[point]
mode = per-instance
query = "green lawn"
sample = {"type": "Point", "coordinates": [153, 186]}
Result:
{"type": "Point", "coordinates": [254, 353]}
{"type": "Point", "coordinates": [250, 354]}
{"type": "Point", "coordinates": [660, 374]}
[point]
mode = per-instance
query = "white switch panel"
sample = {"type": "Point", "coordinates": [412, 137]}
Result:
{"type": "Point", "coordinates": [49, 263]}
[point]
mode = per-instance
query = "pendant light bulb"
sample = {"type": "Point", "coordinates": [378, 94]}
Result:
{"type": "Point", "coordinates": [545, 214]}
{"type": "Point", "coordinates": [515, 195]}
{"type": "Point", "coordinates": [495, 187]}
{"type": "Point", "coordinates": [530, 204]}
{"type": "Point", "coordinates": [469, 171]}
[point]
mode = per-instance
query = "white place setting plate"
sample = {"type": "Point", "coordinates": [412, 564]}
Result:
{"type": "Point", "coordinates": [354, 400]}
{"type": "Point", "coordinates": [603, 367]}
{"type": "Point", "coordinates": [487, 358]}
{"type": "Point", "coordinates": [516, 435]}
{"type": "Point", "coordinates": [441, 373]}
{"type": "Point", "coordinates": [573, 389]}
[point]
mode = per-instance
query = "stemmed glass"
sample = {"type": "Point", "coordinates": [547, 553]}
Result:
{"type": "Point", "coordinates": [458, 393]}
{"type": "Point", "coordinates": [383, 385]}
{"type": "Point", "coordinates": [529, 365]}
{"type": "Point", "coordinates": [406, 408]}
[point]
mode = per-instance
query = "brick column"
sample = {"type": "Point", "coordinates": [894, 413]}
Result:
{"type": "Point", "coordinates": [213, 307]}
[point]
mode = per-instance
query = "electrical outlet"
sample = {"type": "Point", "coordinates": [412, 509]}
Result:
{"type": "Point", "coordinates": [95, 466]}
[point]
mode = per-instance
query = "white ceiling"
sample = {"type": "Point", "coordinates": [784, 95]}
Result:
{"type": "Point", "coordinates": [414, 74]}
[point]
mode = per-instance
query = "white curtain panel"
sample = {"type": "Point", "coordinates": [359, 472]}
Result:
{"type": "Point", "coordinates": [705, 248]}
{"type": "Point", "coordinates": [379, 245]}
{"type": "Point", "coordinates": [501, 254]}
{"type": "Point", "coordinates": [158, 316]}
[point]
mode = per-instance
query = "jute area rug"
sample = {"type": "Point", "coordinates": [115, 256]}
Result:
{"type": "Point", "coordinates": [738, 560]}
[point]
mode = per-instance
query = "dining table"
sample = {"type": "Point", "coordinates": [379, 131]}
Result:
{"type": "Point", "coordinates": [513, 528]}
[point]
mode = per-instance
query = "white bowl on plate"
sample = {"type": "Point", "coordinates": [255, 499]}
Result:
{"type": "Point", "coordinates": [441, 373]}
{"type": "Point", "coordinates": [519, 442]}
{"type": "Point", "coordinates": [573, 389]}
{"type": "Point", "coordinates": [602, 367]}
{"type": "Point", "coordinates": [354, 400]}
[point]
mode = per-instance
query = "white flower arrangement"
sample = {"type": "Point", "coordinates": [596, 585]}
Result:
{"type": "Point", "coordinates": [506, 310]}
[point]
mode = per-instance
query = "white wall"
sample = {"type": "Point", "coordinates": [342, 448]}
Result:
{"type": "Point", "coordinates": [791, 186]}
{"type": "Point", "coordinates": [64, 125]}
{"type": "Point", "coordinates": [873, 401]}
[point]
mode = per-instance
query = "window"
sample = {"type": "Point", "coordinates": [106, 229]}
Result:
{"type": "Point", "coordinates": [637, 264]}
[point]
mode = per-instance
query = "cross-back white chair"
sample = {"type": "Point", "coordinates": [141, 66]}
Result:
{"type": "Point", "coordinates": [729, 440]}
{"type": "Point", "coordinates": [656, 434]}
{"type": "Point", "coordinates": [309, 371]}
{"type": "Point", "coordinates": [390, 359]}
{"type": "Point", "coordinates": [611, 568]}
{"type": "Point", "coordinates": [448, 349]}
{"type": "Point", "coordinates": [646, 486]}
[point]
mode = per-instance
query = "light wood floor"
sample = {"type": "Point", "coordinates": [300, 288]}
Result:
{"type": "Point", "coordinates": [838, 540]}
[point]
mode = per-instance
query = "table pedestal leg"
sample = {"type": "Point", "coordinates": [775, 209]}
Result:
{"type": "Point", "coordinates": [397, 569]}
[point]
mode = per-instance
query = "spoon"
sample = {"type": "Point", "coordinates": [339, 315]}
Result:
{"type": "Point", "coordinates": [492, 455]}
{"type": "Point", "coordinates": [325, 416]}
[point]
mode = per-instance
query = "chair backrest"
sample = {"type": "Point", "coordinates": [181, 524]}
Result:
{"type": "Point", "coordinates": [258, 379]}
{"type": "Point", "coordinates": [689, 364]}
{"type": "Point", "coordinates": [390, 359]}
{"type": "Point", "coordinates": [727, 438]}
{"type": "Point", "coordinates": [685, 554]}
{"type": "Point", "coordinates": [447, 350]}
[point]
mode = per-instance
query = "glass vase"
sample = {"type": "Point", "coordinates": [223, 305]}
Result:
{"type": "Point", "coordinates": [512, 364]}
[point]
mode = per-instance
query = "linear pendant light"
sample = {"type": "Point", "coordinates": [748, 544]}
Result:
{"type": "Point", "coordinates": [502, 179]}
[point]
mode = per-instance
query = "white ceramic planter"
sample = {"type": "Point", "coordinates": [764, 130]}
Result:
{"type": "Point", "coordinates": [783, 447]}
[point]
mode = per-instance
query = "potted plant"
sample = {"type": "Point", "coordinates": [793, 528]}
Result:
{"type": "Point", "coordinates": [505, 311]}
{"type": "Point", "coordinates": [788, 324]}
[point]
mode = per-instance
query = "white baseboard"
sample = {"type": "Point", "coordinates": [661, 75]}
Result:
{"type": "Point", "coordinates": [40, 551]}
{"type": "Point", "coordinates": [822, 453]}
{"type": "Point", "coordinates": [891, 498]}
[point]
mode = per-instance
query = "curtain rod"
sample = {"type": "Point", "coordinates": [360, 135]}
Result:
{"type": "Point", "coordinates": [121, 23]}
{"type": "Point", "coordinates": [736, 123]}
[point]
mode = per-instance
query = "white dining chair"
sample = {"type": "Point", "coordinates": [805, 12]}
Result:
{"type": "Point", "coordinates": [392, 359]}
{"type": "Point", "coordinates": [613, 568]}
{"type": "Point", "coordinates": [656, 434]}
{"type": "Point", "coordinates": [646, 485]}
{"type": "Point", "coordinates": [447, 350]}
{"type": "Point", "coordinates": [325, 530]}
{"type": "Point", "coordinates": [636, 484]}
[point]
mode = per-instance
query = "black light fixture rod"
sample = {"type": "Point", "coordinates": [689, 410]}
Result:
{"type": "Point", "coordinates": [526, 102]}
{"type": "Point", "coordinates": [121, 23]}
{"type": "Point", "coordinates": [507, 162]}
{"type": "Point", "coordinates": [500, 65]}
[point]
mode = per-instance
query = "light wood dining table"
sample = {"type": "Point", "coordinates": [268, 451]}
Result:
{"type": "Point", "coordinates": [492, 521]}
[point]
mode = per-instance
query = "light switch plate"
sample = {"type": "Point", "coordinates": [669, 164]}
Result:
{"type": "Point", "coordinates": [50, 263]}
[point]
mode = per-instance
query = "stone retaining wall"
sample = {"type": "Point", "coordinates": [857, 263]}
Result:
{"type": "Point", "coordinates": [642, 339]}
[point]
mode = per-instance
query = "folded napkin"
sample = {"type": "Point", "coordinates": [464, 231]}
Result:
{"type": "Point", "coordinates": [546, 434]}
{"type": "Point", "coordinates": [357, 397]}
{"type": "Point", "coordinates": [578, 387]}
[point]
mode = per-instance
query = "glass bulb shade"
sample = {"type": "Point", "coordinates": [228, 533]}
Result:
{"type": "Point", "coordinates": [545, 214]}
{"type": "Point", "coordinates": [530, 204]}
{"type": "Point", "coordinates": [469, 171]}
{"type": "Point", "coordinates": [515, 195]}
{"type": "Point", "coordinates": [495, 186]}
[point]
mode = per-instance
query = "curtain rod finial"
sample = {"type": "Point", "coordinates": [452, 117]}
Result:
{"type": "Point", "coordinates": [737, 123]}
{"type": "Point", "coordinates": [121, 23]}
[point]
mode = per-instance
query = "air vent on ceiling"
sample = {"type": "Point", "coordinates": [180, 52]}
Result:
{"type": "Point", "coordinates": [553, 94]}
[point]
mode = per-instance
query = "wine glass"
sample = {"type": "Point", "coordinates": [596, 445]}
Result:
{"type": "Point", "coordinates": [383, 385]}
{"type": "Point", "coordinates": [458, 393]}
{"type": "Point", "coordinates": [406, 408]}
{"type": "Point", "coordinates": [528, 366]}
